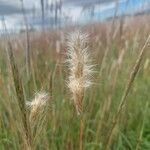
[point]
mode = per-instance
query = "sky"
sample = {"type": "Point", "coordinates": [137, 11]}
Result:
{"type": "Point", "coordinates": [73, 10]}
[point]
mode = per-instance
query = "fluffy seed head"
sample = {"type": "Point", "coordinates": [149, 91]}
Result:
{"type": "Point", "coordinates": [38, 107]}
{"type": "Point", "coordinates": [37, 104]}
{"type": "Point", "coordinates": [79, 64]}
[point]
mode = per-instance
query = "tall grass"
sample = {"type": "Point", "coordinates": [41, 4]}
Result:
{"type": "Point", "coordinates": [126, 92]}
{"type": "Point", "coordinates": [108, 115]}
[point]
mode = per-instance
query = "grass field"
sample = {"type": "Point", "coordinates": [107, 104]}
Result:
{"type": "Point", "coordinates": [115, 108]}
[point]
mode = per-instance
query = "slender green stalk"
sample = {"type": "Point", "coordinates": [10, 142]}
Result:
{"type": "Point", "coordinates": [142, 128]}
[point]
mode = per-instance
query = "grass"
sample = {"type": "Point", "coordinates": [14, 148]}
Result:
{"type": "Point", "coordinates": [115, 56]}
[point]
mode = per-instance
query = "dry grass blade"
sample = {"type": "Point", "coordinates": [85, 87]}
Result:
{"type": "Point", "coordinates": [20, 95]}
{"type": "Point", "coordinates": [126, 92]}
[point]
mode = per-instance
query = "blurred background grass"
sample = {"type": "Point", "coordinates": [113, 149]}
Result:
{"type": "Point", "coordinates": [114, 59]}
{"type": "Point", "coordinates": [115, 48]}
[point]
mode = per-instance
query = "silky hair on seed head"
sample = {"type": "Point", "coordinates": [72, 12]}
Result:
{"type": "Point", "coordinates": [79, 65]}
{"type": "Point", "coordinates": [38, 105]}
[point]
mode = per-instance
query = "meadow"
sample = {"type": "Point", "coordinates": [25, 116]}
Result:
{"type": "Point", "coordinates": [114, 112]}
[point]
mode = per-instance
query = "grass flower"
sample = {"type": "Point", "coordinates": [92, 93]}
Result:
{"type": "Point", "coordinates": [39, 107]}
{"type": "Point", "coordinates": [79, 64]}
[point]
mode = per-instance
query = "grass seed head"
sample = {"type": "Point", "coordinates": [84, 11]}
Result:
{"type": "Point", "coordinates": [79, 64]}
{"type": "Point", "coordinates": [38, 107]}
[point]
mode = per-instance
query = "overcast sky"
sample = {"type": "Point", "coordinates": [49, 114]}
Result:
{"type": "Point", "coordinates": [13, 6]}
{"type": "Point", "coordinates": [11, 9]}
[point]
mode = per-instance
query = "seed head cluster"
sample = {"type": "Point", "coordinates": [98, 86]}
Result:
{"type": "Point", "coordinates": [79, 64]}
{"type": "Point", "coordinates": [38, 107]}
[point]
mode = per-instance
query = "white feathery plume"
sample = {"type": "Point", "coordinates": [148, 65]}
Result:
{"type": "Point", "coordinates": [38, 112]}
{"type": "Point", "coordinates": [79, 64]}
